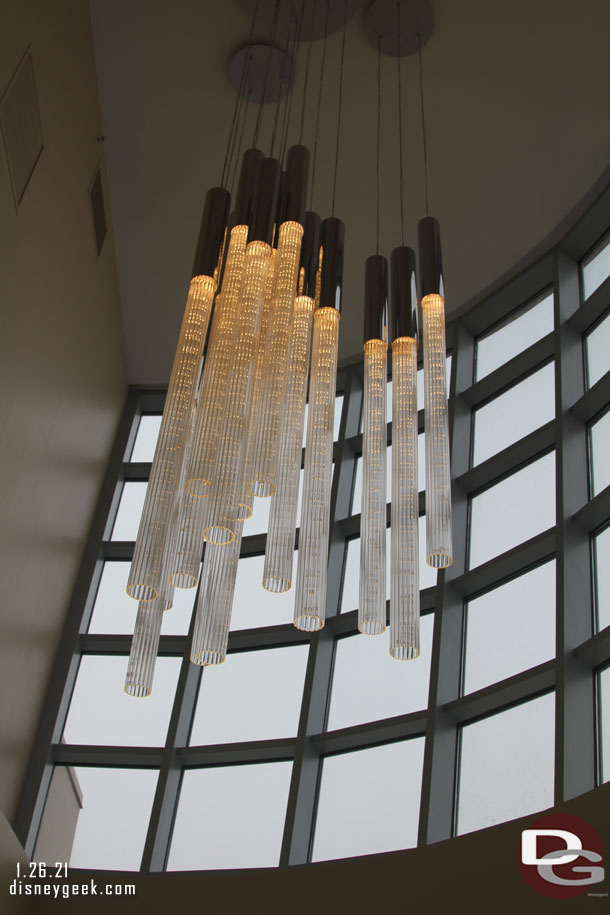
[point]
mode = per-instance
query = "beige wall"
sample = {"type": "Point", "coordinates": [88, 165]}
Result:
{"type": "Point", "coordinates": [62, 371]}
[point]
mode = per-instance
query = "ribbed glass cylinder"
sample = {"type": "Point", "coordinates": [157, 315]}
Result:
{"type": "Point", "coordinates": [312, 568]}
{"type": "Point", "coordinates": [145, 572]}
{"type": "Point", "coordinates": [184, 550]}
{"type": "Point", "coordinates": [273, 382]}
{"type": "Point", "coordinates": [404, 566]}
{"type": "Point", "coordinates": [439, 549]}
{"type": "Point", "coordinates": [372, 604]}
{"type": "Point", "coordinates": [213, 388]}
{"type": "Point", "coordinates": [215, 602]}
{"type": "Point", "coordinates": [231, 457]}
{"type": "Point", "coordinates": [144, 647]}
{"type": "Point", "coordinates": [279, 552]}
{"type": "Point", "coordinates": [255, 418]}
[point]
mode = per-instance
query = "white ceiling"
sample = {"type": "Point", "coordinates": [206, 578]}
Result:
{"type": "Point", "coordinates": [517, 123]}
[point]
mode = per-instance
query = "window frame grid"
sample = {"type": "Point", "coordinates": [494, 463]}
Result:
{"type": "Point", "coordinates": [580, 653]}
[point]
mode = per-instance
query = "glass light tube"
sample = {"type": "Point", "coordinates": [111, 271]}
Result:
{"type": "Point", "coordinates": [312, 569]}
{"type": "Point", "coordinates": [279, 553]}
{"type": "Point", "coordinates": [215, 602]}
{"type": "Point", "coordinates": [404, 572]}
{"type": "Point", "coordinates": [231, 458]}
{"type": "Point", "coordinates": [144, 577]}
{"type": "Point", "coordinates": [439, 550]}
{"type": "Point", "coordinates": [255, 418]}
{"type": "Point", "coordinates": [273, 382]}
{"type": "Point", "coordinates": [144, 647]}
{"type": "Point", "coordinates": [372, 603]}
{"type": "Point", "coordinates": [216, 367]}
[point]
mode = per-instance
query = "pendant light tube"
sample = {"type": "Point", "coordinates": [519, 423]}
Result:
{"type": "Point", "coordinates": [257, 411]}
{"type": "Point", "coordinates": [144, 648]}
{"type": "Point", "coordinates": [266, 445]}
{"type": "Point", "coordinates": [144, 578]}
{"type": "Point", "coordinates": [215, 602]}
{"type": "Point", "coordinates": [213, 388]}
{"type": "Point", "coordinates": [279, 553]}
{"type": "Point", "coordinates": [439, 549]}
{"type": "Point", "coordinates": [404, 564]}
{"type": "Point", "coordinates": [372, 602]}
{"type": "Point", "coordinates": [312, 569]}
{"type": "Point", "coordinates": [231, 463]}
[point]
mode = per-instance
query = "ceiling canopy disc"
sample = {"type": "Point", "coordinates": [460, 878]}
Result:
{"type": "Point", "coordinates": [416, 24]}
{"type": "Point", "coordinates": [339, 11]}
{"type": "Point", "coordinates": [263, 64]}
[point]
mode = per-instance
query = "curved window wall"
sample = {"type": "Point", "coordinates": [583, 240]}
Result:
{"type": "Point", "coordinates": [308, 747]}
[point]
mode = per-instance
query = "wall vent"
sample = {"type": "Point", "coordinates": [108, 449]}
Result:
{"type": "Point", "coordinates": [21, 128]}
{"type": "Point", "coordinates": [97, 209]}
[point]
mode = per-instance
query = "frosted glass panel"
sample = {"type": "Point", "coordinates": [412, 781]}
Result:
{"type": "Point", "coordinates": [113, 821]}
{"type": "Point", "coordinates": [102, 713]}
{"type": "Point", "coordinates": [114, 611]}
{"type": "Point", "coordinates": [511, 628]}
{"type": "Point", "coordinates": [514, 414]}
{"type": "Point", "coordinates": [130, 509]}
{"type": "Point", "coordinates": [252, 605]}
{"type": "Point", "coordinates": [599, 453]}
{"type": "Point", "coordinates": [399, 686]}
{"type": "Point", "coordinates": [146, 439]}
{"type": "Point", "coordinates": [601, 551]}
{"type": "Point", "coordinates": [513, 510]}
{"type": "Point", "coordinates": [369, 801]}
{"type": "Point", "coordinates": [230, 817]}
{"type": "Point", "coordinates": [507, 765]}
{"type": "Point", "coordinates": [350, 596]}
{"type": "Point", "coordinates": [596, 268]}
{"type": "Point", "coordinates": [421, 475]}
{"type": "Point", "coordinates": [597, 348]}
{"type": "Point", "coordinates": [254, 695]}
{"type": "Point", "coordinates": [604, 719]}
{"type": "Point", "coordinates": [513, 335]}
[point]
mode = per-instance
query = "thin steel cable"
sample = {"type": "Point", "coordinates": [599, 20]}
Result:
{"type": "Point", "coordinates": [306, 81]}
{"type": "Point", "coordinates": [400, 146]}
{"type": "Point", "coordinates": [423, 120]}
{"type": "Point", "coordinates": [238, 102]}
{"type": "Point", "coordinates": [266, 84]}
{"type": "Point", "coordinates": [241, 141]}
{"type": "Point", "coordinates": [378, 132]}
{"type": "Point", "coordinates": [315, 145]}
{"type": "Point", "coordinates": [285, 69]}
{"type": "Point", "coordinates": [288, 106]}
{"type": "Point", "coordinates": [340, 105]}
{"type": "Point", "coordinates": [232, 165]}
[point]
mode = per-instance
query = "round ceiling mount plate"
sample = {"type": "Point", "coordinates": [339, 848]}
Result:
{"type": "Point", "coordinates": [314, 17]}
{"type": "Point", "coordinates": [260, 60]}
{"type": "Point", "coordinates": [416, 24]}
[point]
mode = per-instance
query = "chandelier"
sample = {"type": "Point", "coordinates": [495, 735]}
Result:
{"type": "Point", "coordinates": [258, 343]}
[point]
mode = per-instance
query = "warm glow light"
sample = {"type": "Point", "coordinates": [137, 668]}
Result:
{"type": "Point", "coordinates": [145, 574]}
{"type": "Point", "coordinates": [404, 572]}
{"type": "Point", "coordinates": [231, 458]}
{"type": "Point", "coordinates": [213, 389]}
{"type": "Point", "coordinates": [439, 550]}
{"type": "Point", "coordinates": [372, 604]}
{"type": "Point", "coordinates": [263, 481]}
{"type": "Point", "coordinates": [312, 570]}
{"type": "Point", "coordinates": [279, 553]}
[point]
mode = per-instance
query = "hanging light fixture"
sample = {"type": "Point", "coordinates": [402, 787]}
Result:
{"type": "Point", "coordinates": [268, 283]}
